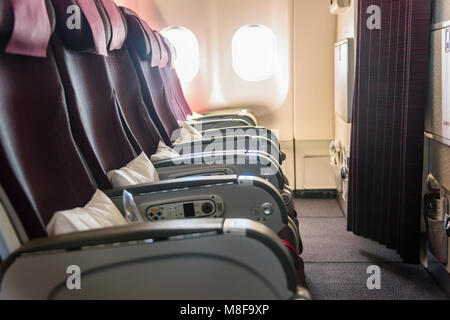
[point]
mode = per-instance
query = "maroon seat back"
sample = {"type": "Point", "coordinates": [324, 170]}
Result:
{"type": "Point", "coordinates": [140, 128]}
{"type": "Point", "coordinates": [92, 101]}
{"type": "Point", "coordinates": [177, 100]}
{"type": "Point", "coordinates": [40, 167]}
{"type": "Point", "coordinates": [175, 80]}
{"type": "Point", "coordinates": [141, 45]}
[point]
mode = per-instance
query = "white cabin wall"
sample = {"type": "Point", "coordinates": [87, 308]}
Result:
{"type": "Point", "coordinates": [297, 100]}
{"type": "Point", "coordinates": [314, 38]}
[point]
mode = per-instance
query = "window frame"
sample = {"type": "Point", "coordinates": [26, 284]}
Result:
{"type": "Point", "coordinates": [236, 65]}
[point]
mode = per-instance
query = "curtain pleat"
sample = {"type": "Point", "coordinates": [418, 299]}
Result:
{"type": "Point", "coordinates": [388, 123]}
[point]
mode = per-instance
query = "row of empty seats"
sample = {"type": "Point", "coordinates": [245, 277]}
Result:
{"type": "Point", "coordinates": [83, 109]}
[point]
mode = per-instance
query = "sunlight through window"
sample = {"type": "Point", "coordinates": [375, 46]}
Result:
{"type": "Point", "coordinates": [254, 51]}
{"type": "Point", "coordinates": [187, 61]}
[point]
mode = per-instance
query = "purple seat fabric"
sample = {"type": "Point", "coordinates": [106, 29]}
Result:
{"type": "Point", "coordinates": [92, 15]}
{"type": "Point", "coordinates": [141, 47]}
{"type": "Point", "coordinates": [154, 45]}
{"type": "Point", "coordinates": [139, 126]}
{"type": "Point", "coordinates": [172, 83]}
{"type": "Point", "coordinates": [25, 40]}
{"type": "Point", "coordinates": [92, 102]}
{"type": "Point", "coordinates": [166, 74]}
{"type": "Point", "coordinates": [164, 61]}
{"type": "Point", "coordinates": [41, 169]}
{"type": "Point", "coordinates": [118, 29]}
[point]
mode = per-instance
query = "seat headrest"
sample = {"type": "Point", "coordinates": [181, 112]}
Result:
{"type": "Point", "coordinates": [136, 34]}
{"type": "Point", "coordinates": [83, 25]}
{"type": "Point", "coordinates": [157, 53]}
{"type": "Point", "coordinates": [26, 26]}
{"type": "Point", "coordinates": [118, 25]}
{"type": "Point", "coordinates": [164, 61]}
{"type": "Point", "coordinates": [142, 37]}
{"type": "Point", "coordinates": [171, 50]}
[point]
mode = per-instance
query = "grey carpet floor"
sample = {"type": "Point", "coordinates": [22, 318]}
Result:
{"type": "Point", "coordinates": [336, 261]}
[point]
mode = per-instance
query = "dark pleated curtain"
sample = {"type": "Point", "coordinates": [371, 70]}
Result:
{"type": "Point", "coordinates": [388, 124]}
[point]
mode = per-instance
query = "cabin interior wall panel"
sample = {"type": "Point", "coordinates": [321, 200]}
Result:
{"type": "Point", "coordinates": [433, 113]}
{"type": "Point", "coordinates": [314, 120]}
{"type": "Point", "coordinates": [312, 162]}
{"type": "Point", "coordinates": [314, 39]}
{"type": "Point", "coordinates": [388, 123]}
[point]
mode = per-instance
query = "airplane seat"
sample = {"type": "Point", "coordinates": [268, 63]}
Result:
{"type": "Point", "coordinates": [178, 102]}
{"type": "Point", "coordinates": [144, 48]}
{"type": "Point", "coordinates": [140, 46]}
{"type": "Point", "coordinates": [207, 124]}
{"type": "Point", "coordinates": [90, 97]}
{"type": "Point", "coordinates": [42, 172]}
{"type": "Point", "coordinates": [89, 72]}
{"type": "Point", "coordinates": [33, 170]}
{"type": "Point", "coordinates": [140, 42]}
{"type": "Point", "coordinates": [130, 101]}
{"type": "Point", "coordinates": [138, 124]}
{"type": "Point", "coordinates": [140, 128]}
{"type": "Point", "coordinates": [94, 110]}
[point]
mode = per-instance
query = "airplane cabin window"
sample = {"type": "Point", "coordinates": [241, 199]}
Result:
{"type": "Point", "coordinates": [187, 61]}
{"type": "Point", "coordinates": [254, 50]}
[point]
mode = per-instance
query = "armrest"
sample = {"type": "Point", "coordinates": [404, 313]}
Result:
{"type": "Point", "coordinates": [173, 184]}
{"type": "Point", "coordinates": [225, 116]}
{"type": "Point", "coordinates": [231, 143]}
{"type": "Point", "coordinates": [219, 119]}
{"type": "Point", "coordinates": [242, 130]}
{"type": "Point", "coordinates": [218, 124]}
{"type": "Point", "coordinates": [227, 187]}
{"type": "Point", "coordinates": [212, 252]}
{"type": "Point", "coordinates": [132, 232]}
{"type": "Point", "coordinates": [236, 121]}
{"type": "Point", "coordinates": [233, 111]}
{"type": "Point", "coordinates": [238, 197]}
{"type": "Point", "coordinates": [222, 163]}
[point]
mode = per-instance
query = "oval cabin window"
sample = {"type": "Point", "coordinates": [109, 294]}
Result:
{"type": "Point", "coordinates": [187, 61]}
{"type": "Point", "coordinates": [254, 50]}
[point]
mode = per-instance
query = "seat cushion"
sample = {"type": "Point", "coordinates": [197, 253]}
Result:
{"type": "Point", "coordinates": [138, 171]}
{"type": "Point", "coordinates": [99, 213]}
{"type": "Point", "coordinates": [188, 134]}
{"type": "Point", "coordinates": [164, 153]}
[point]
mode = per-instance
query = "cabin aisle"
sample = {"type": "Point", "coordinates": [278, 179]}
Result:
{"type": "Point", "coordinates": [336, 261]}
